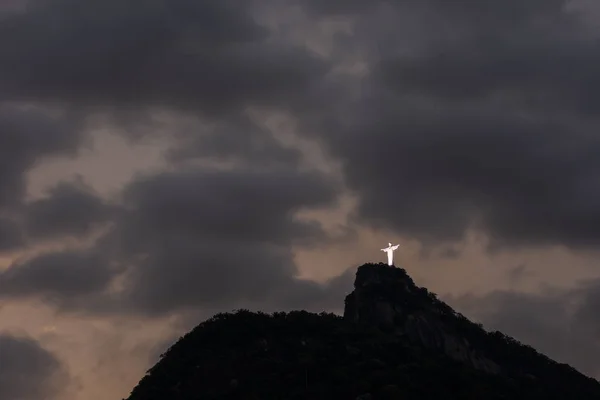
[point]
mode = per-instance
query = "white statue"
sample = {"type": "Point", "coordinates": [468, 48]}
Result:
{"type": "Point", "coordinates": [390, 253]}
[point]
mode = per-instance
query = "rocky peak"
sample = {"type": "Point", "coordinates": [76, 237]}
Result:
{"type": "Point", "coordinates": [388, 298]}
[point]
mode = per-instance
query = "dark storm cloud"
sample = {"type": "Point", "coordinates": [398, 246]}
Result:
{"type": "Point", "coordinates": [186, 275]}
{"type": "Point", "coordinates": [68, 209]}
{"type": "Point", "coordinates": [190, 238]}
{"type": "Point", "coordinates": [563, 324]}
{"type": "Point", "coordinates": [588, 295]}
{"type": "Point", "coordinates": [470, 116]}
{"type": "Point", "coordinates": [434, 173]}
{"type": "Point", "coordinates": [537, 56]}
{"type": "Point", "coordinates": [26, 136]}
{"type": "Point", "coordinates": [485, 14]}
{"type": "Point", "coordinates": [27, 371]}
{"type": "Point", "coordinates": [199, 55]}
{"type": "Point", "coordinates": [449, 253]}
{"type": "Point", "coordinates": [238, 139]}
{"type": "Point", "coordinates": [338, 7]}
{"type": "Point", "coordinates": [57, 275]}
{"type": "Point", "coordinates": [184, 272]}
{"type": "Point", "coordinates": [255, 206]}
{"type": "Point", "coordinates": [11, 236]}
{"type": "Point", "coordinates": [215, 237]}
{"type": "Point", "coordinates": [518, 273]}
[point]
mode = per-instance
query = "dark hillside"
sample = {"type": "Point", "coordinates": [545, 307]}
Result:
{"type": "Point", "coordinates": [396, 341]}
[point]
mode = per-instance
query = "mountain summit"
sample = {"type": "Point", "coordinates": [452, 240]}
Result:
{"type": "Point", "coordinates": [395, 341]}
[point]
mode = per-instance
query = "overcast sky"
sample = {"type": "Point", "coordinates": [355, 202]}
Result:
{"type": "Point", "coordinates": [161, 161]}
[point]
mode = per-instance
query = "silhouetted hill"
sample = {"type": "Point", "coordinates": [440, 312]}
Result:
{"type": "Point", "coordinates": [395, 341]}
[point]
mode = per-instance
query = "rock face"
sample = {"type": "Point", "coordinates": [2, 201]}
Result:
{"type": "Point", "coordinates": [387, 297]}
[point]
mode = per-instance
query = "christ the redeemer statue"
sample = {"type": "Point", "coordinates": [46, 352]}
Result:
{"type": "Point", "coordinates": [390, 253]}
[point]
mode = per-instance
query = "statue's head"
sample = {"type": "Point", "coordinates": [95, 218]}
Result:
{"type": "Point", "coordinates": [389, 244]}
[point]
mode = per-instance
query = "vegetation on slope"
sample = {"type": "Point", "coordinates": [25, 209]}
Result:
{"type": "Point", "coordinates": [300, 355]}
{"type": "Point", "coordinates": [517, 359]}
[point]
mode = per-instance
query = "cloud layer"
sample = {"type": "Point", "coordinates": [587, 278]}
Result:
{"type": "Point", "coordinates": [484, 119]}
{"type": "Point", "coordinates": [443, 119]}
{"type": "Point", "coordinates": [27, 370]}
{"type": "Point", "coordinates": [180, 239]}
{"type": "Point", "coordinates": [202, 55]}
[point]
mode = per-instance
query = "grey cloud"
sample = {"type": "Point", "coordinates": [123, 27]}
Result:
{"type": "Point", "coordinates": [215, 237]}
{"type": "Point", "coordinates": [490, 16]}
{"type": "Point", "coordinates": [338, 7]}
{"type": "Point", "coordinates": [487, 14]}
{"type": "Point", "coordinates": [546, 73]}
{"type": "Point", "coordinates": [183, 273]}
{"type": "Point", "coordinates": [478, 162]}
{"type": "Point", "coordinates": [254, 206]}
{"type": "Point", "coordinates": [434, 174]}
{"type": "Point", "coordinates": [508, 153]}
{"type": "Point", "coordinates": [237, 139]}
{"type": "Point", "coordinates": [56, 276]}
{"type": "Point", "coordinates": [187, 239]}
{"type": "Point", "coordinates": [588, 300]}
{"type": "Point", "coordinates": [539, 55]}
{"type": "Point", "coordinates": [202, 56]}
{"type": "Point", "coordinates": [11, 235]}
{"type": "Point", "coordinates": [518, 273]}
{"type": "Point", "coordinates": [26, 136]}
{"type": "Point", "coordinates": [68, 209]}
{"type": "Point", "coordinates": [27, 370]}
{"type": "Point", "coordinates": [187, 275]}
{"type": "Point", "coordinates": [449, 253]}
